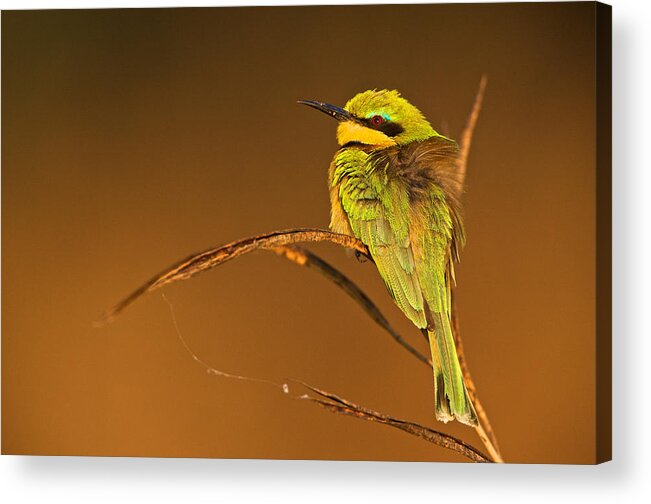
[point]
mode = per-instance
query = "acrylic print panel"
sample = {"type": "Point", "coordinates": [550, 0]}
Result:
{"type": "Point", "coordinates": [132, 138]}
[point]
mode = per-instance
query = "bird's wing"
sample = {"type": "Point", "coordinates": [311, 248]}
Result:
{"type": "Point", "coordinates": [378, 209]}
{"type": "Point", "coordinates": [435, 230]}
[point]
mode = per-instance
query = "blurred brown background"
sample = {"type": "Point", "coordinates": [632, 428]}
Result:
{"type": "Point", "coordinates": [132, 138]}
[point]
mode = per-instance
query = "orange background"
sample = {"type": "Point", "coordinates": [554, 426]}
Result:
{"type": "Point", "coordinates": [134, 137]}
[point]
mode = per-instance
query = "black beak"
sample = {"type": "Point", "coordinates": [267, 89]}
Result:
{"type": "Point", "coordinates": [332, 110]}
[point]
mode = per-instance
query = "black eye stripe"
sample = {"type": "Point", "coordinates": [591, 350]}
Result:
{"type": "Point", "coordinates": [389, 128]}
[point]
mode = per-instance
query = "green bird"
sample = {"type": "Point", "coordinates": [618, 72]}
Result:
{"type": "Point", "coordinates": [393, 186]}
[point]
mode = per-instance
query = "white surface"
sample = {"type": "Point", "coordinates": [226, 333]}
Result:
{"type": "Point", "coordinates": [627, 479]}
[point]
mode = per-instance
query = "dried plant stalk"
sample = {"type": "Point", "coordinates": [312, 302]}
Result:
{"type": "Point", "coordinates": [336, 404]}
{"type": "Point", "coordinates": [484, 428]}
{"type": "Point", "coordinates": [465, 140]}
{"type": "Point", "coordinates": [304, 257]}
{"type": "Point", "coordinates": [213, 257]}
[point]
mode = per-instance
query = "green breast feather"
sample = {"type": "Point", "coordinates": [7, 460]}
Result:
{"type": "Point", "coordinates": [379, 211]}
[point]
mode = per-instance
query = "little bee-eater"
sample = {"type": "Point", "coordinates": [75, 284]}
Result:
{"type": "Point", "coordinates": [393, 186]}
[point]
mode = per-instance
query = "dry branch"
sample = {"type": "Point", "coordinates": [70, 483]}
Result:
{"type": "Point", "coordinates": [208, 259]}
{"type": "Point", "coordinates": [466, 136]}
{"type": "Point", "coordinates": [304, 257]}
{"type": "Point", "coordinates": [336, 404]}
{"type": "Point", "coordinates": [483, 428]}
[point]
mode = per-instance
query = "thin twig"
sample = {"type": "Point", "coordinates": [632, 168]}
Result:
{"type": "Point", "coordinates": [466, 136]}
{"type": "Point", "coordinates": [209, 368]}
{"type": "Point", "coordinates": [336, 404]}
{"type": "Point", "coordinates": [303, 257]}
{"type": "Point", "coordinates": [484, 428]}
{"type": "Point", "coordinates": [203, 261]}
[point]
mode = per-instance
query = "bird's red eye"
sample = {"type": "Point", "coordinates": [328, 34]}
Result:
{"type": "Point", "coordinates": [377, 120]}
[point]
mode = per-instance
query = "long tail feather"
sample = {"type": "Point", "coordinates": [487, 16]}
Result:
{"type": "Point", "coordinates": [452, 400]}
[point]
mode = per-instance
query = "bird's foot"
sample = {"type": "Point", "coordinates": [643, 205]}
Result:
{"type": "Point", "coordinates": [360, 257]}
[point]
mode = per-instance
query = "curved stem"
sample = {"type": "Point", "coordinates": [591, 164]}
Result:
{"type": "Point", "coordinates": [208, 259]}
{"type": "Point", "coordinates": [303, 257]}
{"type": "Point", "coordinates": [336, 404]}
{"type": "Point", "coordinates": [483, 428]}
{"type": "Point", "coordinates": [466, 136]}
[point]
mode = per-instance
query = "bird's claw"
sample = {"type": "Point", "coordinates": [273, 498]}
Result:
{"type": "Point", "coordinates": [360, 257]}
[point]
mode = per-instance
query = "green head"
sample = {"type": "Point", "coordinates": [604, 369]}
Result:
{"type": "Point", "coordinates": [377, 118]}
